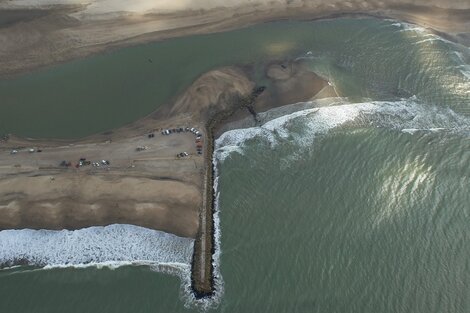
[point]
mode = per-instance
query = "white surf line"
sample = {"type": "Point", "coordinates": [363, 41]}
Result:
{"type": "Point", "coordinates": [118, 244]}
{"type": "Point", "coordinates": [203, 231]}
{"type": "Point", "coordinates": [398, 115]}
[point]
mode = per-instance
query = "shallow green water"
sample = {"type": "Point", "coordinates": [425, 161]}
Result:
{"type": "Point", "coordinates": [363, 56]}
{"type": "Point", "coordinates": [367, 221]}
{"type": "Point", "coordinates": [89, 290]}
{"type": "Point", "coordinates": [349, 209]}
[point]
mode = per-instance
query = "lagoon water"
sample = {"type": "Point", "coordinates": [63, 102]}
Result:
{"type": "Point", "coordinates": [358, 204]}
{"type": "Point", "coordinates": [364, 57]}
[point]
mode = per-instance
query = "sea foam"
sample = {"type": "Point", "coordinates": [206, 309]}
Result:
{"type": "Point", "coordinates": [304, 127]}
{"type": "Point", "coordinates": [110, 246]}
{"type": "Point", "coordinates": [113, 245]}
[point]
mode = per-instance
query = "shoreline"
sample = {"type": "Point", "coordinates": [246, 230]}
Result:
{"type": "Point", "coordinates": [93, 246]}
{"type": "Point", "coordinates": [231, 91]}
{"type": "Point", "coordinates": [234, 92]}
{"type": "Point", "coordinates": [150, 188]}
{"type": "Point", "coordinates": [202, 178]}
{"type": "Point", "coordinates": [203, 276]}
{"type": "Point", "coordinates": [214, 20]}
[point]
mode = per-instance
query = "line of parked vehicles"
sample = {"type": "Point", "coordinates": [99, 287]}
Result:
{"type": "Point", "coordinates": [29, 150]}
{"type": "Point", "coordinates": [179, 130]}
{"type": "Point", "coordinates": [193, 130]}
{"type": "Point", "coordinates": [169, 131]}
{"type": "Point", "coordinates": [85, 162]}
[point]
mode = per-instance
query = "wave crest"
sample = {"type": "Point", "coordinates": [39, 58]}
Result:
{"type": "Point", "coordinates": [304, 126]}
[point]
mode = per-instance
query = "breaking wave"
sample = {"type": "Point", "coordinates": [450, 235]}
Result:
{"type": "Point", "coordinates": [112, 245]}
{"type": "Point", "coordinates": [303, 127]}
{"type": "Point", "coordinates": [464, 67]}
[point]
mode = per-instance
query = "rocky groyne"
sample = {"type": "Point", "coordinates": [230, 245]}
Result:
{"type": "Point", "coordinates": [202, 271]}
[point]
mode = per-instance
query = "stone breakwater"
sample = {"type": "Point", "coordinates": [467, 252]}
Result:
{"type": "Point", "coordinates": [202, 268]}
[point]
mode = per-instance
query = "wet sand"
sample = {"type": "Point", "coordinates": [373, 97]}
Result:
{"type": "Point", "coordinates": [151, 188]}
{"type": "Point", "coordinates": [34, 36]}
{"type": "Point", "coordinates": [160, 191]}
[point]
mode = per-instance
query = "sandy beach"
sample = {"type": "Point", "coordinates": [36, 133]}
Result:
{"type": "Point", "coordinates": [133, 174]}
{"type": "Point", "coordinates": [153, 188]}
{"type": "Point", "coordinates": [150, 188]}
{"type": "Point", "coordinates": [35, 35]}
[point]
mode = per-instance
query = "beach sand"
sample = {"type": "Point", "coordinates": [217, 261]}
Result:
{"type": "Point", "coordinates": [159, 192]}
{"type": "Point", "coordinates": [35, 35]}
{"type": "Point", "coordinates": [151, 188]}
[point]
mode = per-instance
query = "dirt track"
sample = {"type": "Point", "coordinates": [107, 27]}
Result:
{"type": "Point", "coordinates": [151, 188]}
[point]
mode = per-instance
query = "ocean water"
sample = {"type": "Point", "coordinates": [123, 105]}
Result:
{"type": "Point", "coordinates": [349, 208]}
{"type": "Point", "coordinates": [361, 57]}
{"type": "Point", "coordinates": [353, 204]}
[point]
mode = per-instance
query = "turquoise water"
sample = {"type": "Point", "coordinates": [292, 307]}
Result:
{"type": "Point", "coordinates": [354, 206]}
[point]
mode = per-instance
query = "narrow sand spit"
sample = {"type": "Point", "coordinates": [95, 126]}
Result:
{"type": "Point", "coordinates": [152, 187]}
{"type": "Point", "coordinates": [39, 33]}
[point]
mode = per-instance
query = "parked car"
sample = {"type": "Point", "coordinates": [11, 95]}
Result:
{"type": "Point", "coordinates": [84, 163]}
